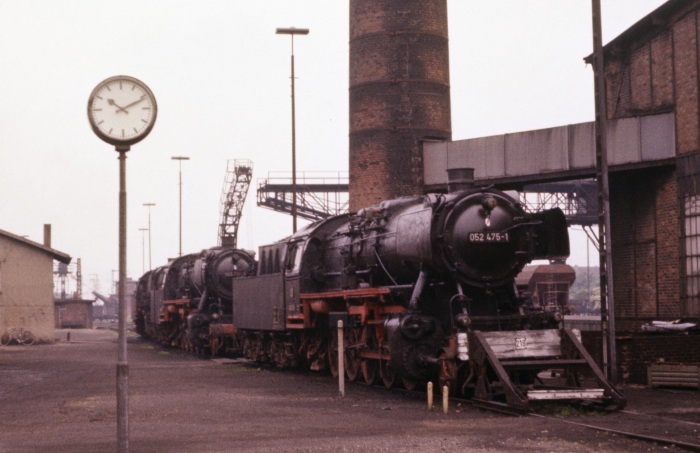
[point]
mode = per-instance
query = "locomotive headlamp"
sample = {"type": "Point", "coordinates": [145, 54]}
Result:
{"type": "Point", "coordinates": [489, 203]}
{"type": "Point", "coordinates": [464, 320]}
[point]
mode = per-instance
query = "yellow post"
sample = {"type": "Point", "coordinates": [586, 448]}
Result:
{"type": "Point", "coordinates": [430, 396]}
{"type": "Point", "coordinates": [445, 399]}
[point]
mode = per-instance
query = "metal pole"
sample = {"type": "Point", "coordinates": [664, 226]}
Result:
{"type": "Point", "coordinates": [180, 159]}
{"type": "Point", "coordinates": [143, 249]}
{"type": "Point", "coordinates": [122, 364]}
{"type": "Point", "coordinates": [150, 262]}
{"type": "Point", "coordinates": [293, 31]}
{"type": "Point", "coordinates": [341, 359]}
{"type": "Point", "coordinates": [180, 223]}
{"type": "Point", "coordinates": [607, 300]}
{"type": "Point", "coordinates": [294, 151]}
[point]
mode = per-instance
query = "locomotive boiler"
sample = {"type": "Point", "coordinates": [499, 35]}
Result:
{"type": "Point", "coordinates": [187, 302]}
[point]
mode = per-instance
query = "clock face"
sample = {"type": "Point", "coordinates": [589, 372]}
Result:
{"type": "Point", "coordinates": [122, 110]}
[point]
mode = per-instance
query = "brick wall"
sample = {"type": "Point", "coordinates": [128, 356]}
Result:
{"type": "Point", "coordinates": [646, 264]}
{"type": "Point", "coordinates": [399, 94]}
{"type": "Point", "coordinates": [636, 352]}
{"type": "Point", "coordinates": [685, 69]}
{"type": "Point", "coordinates": [75, 314]}
{"type": "Point", "coordinates": [653, 71]}
{"type": "Point", "coordinates": [657, 71]}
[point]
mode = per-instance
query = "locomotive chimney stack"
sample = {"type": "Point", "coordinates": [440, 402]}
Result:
{"type": "Point", "coordinates": [459, 179]}
{"type": "Point", "coordinates": [47, 234]}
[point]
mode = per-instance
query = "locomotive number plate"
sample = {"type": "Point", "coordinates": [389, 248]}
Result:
{"type": "Point", "coordinates": [489, 237]}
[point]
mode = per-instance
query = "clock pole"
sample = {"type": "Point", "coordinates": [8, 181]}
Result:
{"type": "Point", "coordinates": [122, 363]}
{"type": "Point", "coordinates": [108, 106]}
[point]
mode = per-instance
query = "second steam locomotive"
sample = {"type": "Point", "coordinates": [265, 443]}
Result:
{"type": "Point", "coordinates": [424, 286]}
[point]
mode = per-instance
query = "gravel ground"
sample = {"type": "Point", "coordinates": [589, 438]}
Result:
{"type": "Point", "coordinates": [62, 398]}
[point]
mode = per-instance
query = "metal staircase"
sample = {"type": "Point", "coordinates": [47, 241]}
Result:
{"type": "Point", "coordinates": [239, 173]}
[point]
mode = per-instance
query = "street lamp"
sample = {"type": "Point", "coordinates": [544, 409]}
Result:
{"type": "Point", "coordinates": [150, 263]}
{"type": "Point", "coordinates": [293, 31]}
{"type": "Point", "coordinates": [180, 159]}
{"type": "Point", "coordinates": [143, 249]}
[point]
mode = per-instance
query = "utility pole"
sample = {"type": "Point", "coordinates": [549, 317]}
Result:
{"type": "Point", "coordinates": [607, 299]}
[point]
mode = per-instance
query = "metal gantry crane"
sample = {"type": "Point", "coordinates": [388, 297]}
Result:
{"type": "Point", "coordinates": [237, 179]}
{"type": "Point", "coordinates": [62, 273]}
{"type": "Point", "coordinates": [319, 195]}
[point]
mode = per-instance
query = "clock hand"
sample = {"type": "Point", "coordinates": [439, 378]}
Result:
{"type": "Point", "coordinates": [111, 102]}
{"type": "Point", "coordinates": [134, 103]}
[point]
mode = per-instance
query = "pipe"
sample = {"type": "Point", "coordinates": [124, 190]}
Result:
{"type": "Point", "coordinates": [202, 300]}
{"type": "Point", "coordinates": [417, 290]}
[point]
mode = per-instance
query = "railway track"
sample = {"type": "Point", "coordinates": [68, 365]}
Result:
{"type": "Point", "coordinates": [660, 430]}
{"type": "Point", "coordinates": [667, 431]}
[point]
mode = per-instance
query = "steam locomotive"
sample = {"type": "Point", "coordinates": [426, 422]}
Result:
{"type": "Point", "coordinates": [187, 302]}
{"type": "Point", "coordinates": [424, 287]}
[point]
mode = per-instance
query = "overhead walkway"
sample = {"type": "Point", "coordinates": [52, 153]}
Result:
{"type": "Point", "coordinates": [319, 194]}
{"type": "Point", "coordinates": [549, 168]}
{"type": "Point", "coordinates": [562, 153]}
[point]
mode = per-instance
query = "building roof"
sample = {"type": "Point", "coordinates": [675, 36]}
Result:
{"type": "Point", "coordinates": [655, 20]}
{"type": "Point", "coordinates": [651, 23]}
{"type": "Point", "coordinates": [55, 254]}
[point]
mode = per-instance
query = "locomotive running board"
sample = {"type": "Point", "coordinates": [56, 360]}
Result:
{"type": "Point", "coordinates": [503, 354]}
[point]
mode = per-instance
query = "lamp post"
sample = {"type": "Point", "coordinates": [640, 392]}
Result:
{"type": "Point", "coordinates": [143, 249]}
{"type": "Point", "coordinates": [180, 159]}
{"type": "Point", "coordinates": [293, 31]}
{"type": "Point", "coordinates": [150, 263]}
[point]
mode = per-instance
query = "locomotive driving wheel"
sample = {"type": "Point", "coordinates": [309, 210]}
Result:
{"type": "Point", "coordinates": [352, 354]}
{"type": "Point", "coordinates": [369, 371]}
{"type": "Point", "coordinates": [369, 367]}
{"type": "Point", "coordinates": [332, 355]}
{"type": "Point", "coordinates": [409, 384]}
{"type": "Point", "coordinates": [388, 373]}
{"type": "Point", "coordinates": [214, 345]}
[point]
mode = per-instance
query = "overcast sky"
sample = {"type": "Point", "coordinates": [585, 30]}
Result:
{"type": "Point", "coordinates": [221, 78]}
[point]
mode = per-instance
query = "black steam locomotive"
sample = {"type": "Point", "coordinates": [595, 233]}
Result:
{"type": "Point", "coordinates": [424, 287]}
{"type": "Point", "coordinates": [187, 302]}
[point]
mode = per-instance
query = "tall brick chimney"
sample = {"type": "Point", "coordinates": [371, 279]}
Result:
{"type": "Point", "coordinates": [47, 235]}
{"type": "Point", "coordinates": [399, 94]}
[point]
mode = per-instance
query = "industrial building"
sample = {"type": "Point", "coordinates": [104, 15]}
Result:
{"type": "Point", "coordinates": [26, 284]}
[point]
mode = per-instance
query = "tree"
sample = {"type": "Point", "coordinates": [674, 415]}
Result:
{"type": "Point", "coordinates": [584, 294]}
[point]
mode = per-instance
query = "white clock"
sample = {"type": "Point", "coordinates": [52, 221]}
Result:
{"type": "Point", "coordinates": [122, 110]}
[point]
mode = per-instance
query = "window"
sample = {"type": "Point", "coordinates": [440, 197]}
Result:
{"type": "Point", "coordinates": [688, 168]}
{"type": "Point", "coordinates": [691, 258]}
